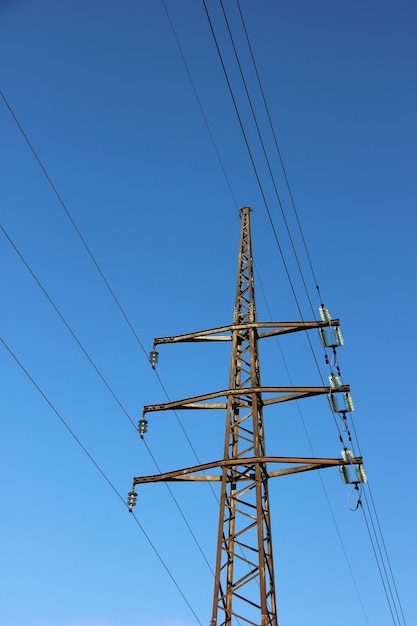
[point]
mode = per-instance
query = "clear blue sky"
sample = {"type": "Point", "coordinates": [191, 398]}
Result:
{"type": "Point", "coordinates": [103, 94]}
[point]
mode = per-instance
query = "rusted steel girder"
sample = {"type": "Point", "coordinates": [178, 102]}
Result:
{"type": "Point", "coordinates": [214, 334]}
{"type": "Point", "coordinates": [197, 402]}
{"type": "Point", "coordinates": [304, 464]}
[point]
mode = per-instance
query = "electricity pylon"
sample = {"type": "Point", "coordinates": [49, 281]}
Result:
{"type": "Point", "coordinates": [244, 586]}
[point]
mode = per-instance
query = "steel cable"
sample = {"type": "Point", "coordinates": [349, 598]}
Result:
{"type": "Point", "coordinates": [92, 363]}
{"type": "Point", "coordinates": [264, 199]}
{"type": "Point", "coordinates": [100, 470]}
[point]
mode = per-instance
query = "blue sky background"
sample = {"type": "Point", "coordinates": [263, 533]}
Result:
{"type": "Point", "coordinates": [104, 96]}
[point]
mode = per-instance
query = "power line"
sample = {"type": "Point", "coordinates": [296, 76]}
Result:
{"type": "Point", "coordinates": [44, 171]}
{"type": "Point", "coordinates": [266, 155]}
{"type": "Point", "coordinates": [92, 363]}
{"type": "Point", "coordinates": [117, 303]}
{"type": "Point", "coordinates": [323, 486]}
{"type": "Point", "coordinates": [381, 566]}
{"type": "Point", "coordinates": [250, 154]}
{"type": "Point", "coordinates": [91, 255]}
{"type": "Point", "coordinates": [281, 206]}
{"type": "Point", "coordinates": [251, 157]}
{"type": "Point", "coordinates": [258, 178]}
{"type": "Point", "coordinates": [386, 553]}
{"type": "Point", "coordinates": [383, 562]}
{"type": "Point", "coordinates": [200, 106]}
{"type": "Point", "coordinates": [102, 473]}
{"type": "Point", "coordinates": [68, 327]}
{"type": "Point", "coordinates": [62, 203]}
{"type": "Point", "coordinates": [277, 148]}
{"type": "Point", "coordinates": [261, 189]}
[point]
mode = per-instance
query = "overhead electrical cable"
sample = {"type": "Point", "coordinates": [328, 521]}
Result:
{"type": "Point", "coordinates": [102, 473]}
{"type": "Point", "coordinates": [386, 553]}
{"type": "Point", "coordinates": [251, 156]}
{"type": "Point", "coordinates": [269, 166]}
{"type": "Point", "coordinates": [266, 204]}
{"type": "Point", "coordinates": [270, 170]}
{"type": "Point", "coordinates": [180, 510]}
{"type": "Point", "coordinates": [385, 582]}
{"type": "Point", "coordinates": [273, 181]}
{"type": "Point", "coordinates": [228, 183]}
{"type": "Point", "coordinates": [68, 327]}
{"type": "Point", "coordinates": [258, 177]}
{"type": "Point", "coordinates": [265, 155]}
{"type": "Point", "coordinates": [87, 248]}
{"type": "Point", "coordinates": [187, 69]}
{"type": "Point", "coordinates": [92, 363]}
{"type": "Point", "coordinates": [71, 219]}
{"type": "Point", "coordinates": [267, 158]}
{"type": "Point", "coordinates": [121, 310]}
{"type": "Point", "coordinates": [185, 433]}
{"type": "Point", "coordinates": [217, 152]}
{"type": "Point", "coordinates": [92, 257]}
{"type": "Point", "coordinates": [259, 183]}
{"type": "Point", "coordinates": [385, 567]}
{"type": "Point", "coordinates": [323, 486]}
{"type": "Point", "coordinates": [278, 150]}
{"type": "Point", "coordinates": [286, 268]}
{"type": "Point", "coordinates": [379, 538]}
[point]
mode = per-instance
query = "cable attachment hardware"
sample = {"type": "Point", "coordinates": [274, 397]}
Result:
{"type": "Point", "coordinates": [361, 474]}
{"type": "Point", "coordinates": [338, 336]}
{"type": "Point", "coordinates": [331, 337]}
{"type": "Point", "coordinates": [345, 475]}
{"type": "Point", "coordinates": [324, 337]}
{"type": "Point", "coordinates": [361, 477]}
{"type": "Point", "coordinates": [348, 402]}
{"type": "Point", "coordinates": [153, 358]}
{"type": "Point", "coordinates": [333, 402]}
{"type": "Point", "coordinates": [333, 340]}
{"type": "Point", "coordinates": [324, 314]}
{"type": "Point", "coordinates": [131, 500]}
{"type": "Point", "coordinates": [335, 381]}
{"type": "Point", "coordinates": [359, 500]}
{"type": "Point", "coordinates": [347, 455]}
{"type": "Point", "coordinates": [142, 426]}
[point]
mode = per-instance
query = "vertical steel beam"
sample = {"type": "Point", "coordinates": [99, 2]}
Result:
{"type": "Point", "coordinates": [244, 589]}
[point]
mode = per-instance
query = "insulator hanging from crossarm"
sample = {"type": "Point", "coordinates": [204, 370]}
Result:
{"type": "Point", "coordinates": [349, 402]}
{"type": "Point", "coordinates": [333, 402]}
{"type": "Point", "coordinates": [324, 338]}
{"type": "Point", "coordinates": [335, 339]}
{"type": "Point", "coordinates": [328, 341]}
{"type": "Point", "coordinates": [338, 336]}
{"type": "Point", "coordinates": [350, 407]}
{"type": "Point", "coordinates": [348, 457]}
{"type": "Point", "coordinates": [361, 474]}
{"type": "Point", "coordinates": [142, 426]}
{"type": "Point", "coordinates": [153, 358]}
{"type": "Point", "coordinates": [345, 475]}
{"type": "Point", "coordinates": [324, 313]}
{"type": "Point", "coordinates": [335, 381]}
{"type": "Point", "coordinates": [131, 499]}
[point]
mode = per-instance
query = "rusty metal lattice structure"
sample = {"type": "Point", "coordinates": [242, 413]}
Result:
{"type": "Point", "coordinates": [244, 586]}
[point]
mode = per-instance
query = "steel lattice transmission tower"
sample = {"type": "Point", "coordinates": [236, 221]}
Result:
{"type": "Point", "coordinates": [244, 586]}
